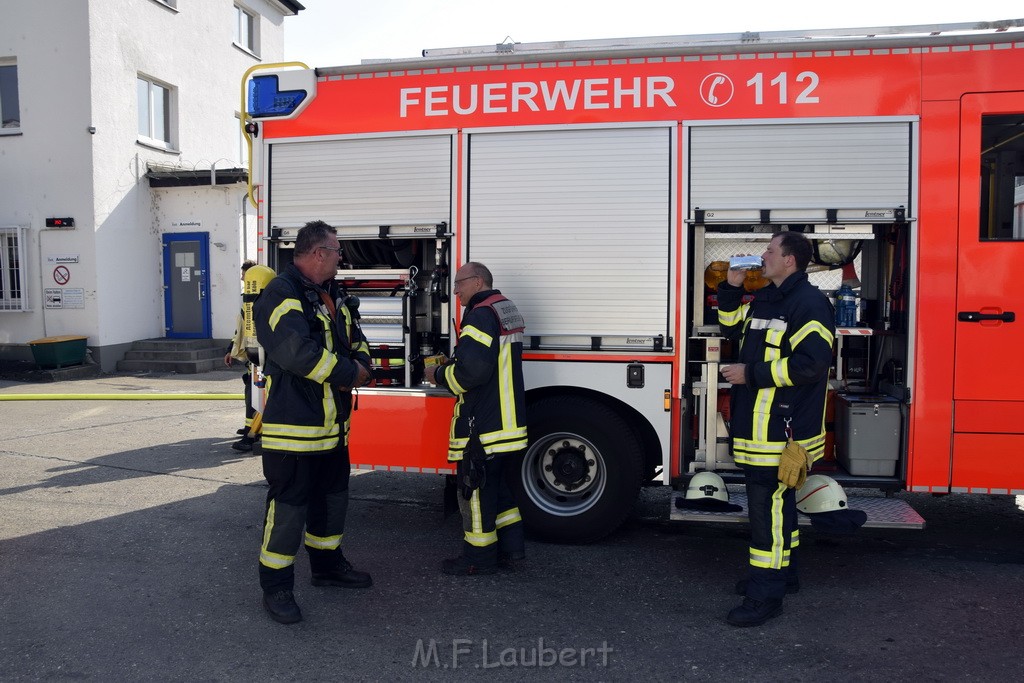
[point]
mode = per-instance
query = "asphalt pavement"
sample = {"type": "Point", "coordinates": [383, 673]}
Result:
{"type": "Point", "coordinates": [129, 533]}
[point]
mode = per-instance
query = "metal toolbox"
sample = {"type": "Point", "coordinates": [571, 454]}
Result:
{"type": "Point", "coordinates": [868, 433]}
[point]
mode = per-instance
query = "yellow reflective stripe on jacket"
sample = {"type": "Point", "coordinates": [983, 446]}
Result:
{"type": "Point", "coordinates": [730, 318]}
{"type": "Point", "coordinates": [765, 453]}
{"type": "Point", "coordinates": [267, 558]}
{"type": "Point", "coordinates": [510, 516]}
{"type": "Point", "coordinates": [492, 437]}
{"type": "Point", "coordinates": [324, 366]}
{"type": "Point", "coordinates": [813, 327]}
{"type": "Point", "coordinates": [506, 391]}
{"type": "Point", "coordinates": [308, 438]}
{"type": "Point", "coordinates": [323, 542]}
{"type": "Point", "coordinates": [478, 335]}
{"type": "Point", "coordinates": [780, 372]}
{"type": "Point", "coordinates": [795, 538]}
{"type": "Point", "coordinates": [762, 412]}
{"type": "Point", "coordinates": [284, 307]}
{"type": "Point", "coordinates": [453, 384]}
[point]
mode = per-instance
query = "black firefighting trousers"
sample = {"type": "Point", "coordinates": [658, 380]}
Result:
{"type": "Point", "coordinates": [771, 509]}
{"type": "Point", "coordinates": [490, 518]}
{"type": "Point", "coordinates": [308, 493]}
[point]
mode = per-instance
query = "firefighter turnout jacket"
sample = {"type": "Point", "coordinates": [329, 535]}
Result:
{"type": "Point", "coordinates": [486, 374]}
{"type": "Point", "coordinates": [310, 354]}
{"type": "Point", "coordinates": [785, 337]}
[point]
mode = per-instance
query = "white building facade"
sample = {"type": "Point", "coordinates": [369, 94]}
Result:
{"type": "Point", "coordinates": [123, 116]}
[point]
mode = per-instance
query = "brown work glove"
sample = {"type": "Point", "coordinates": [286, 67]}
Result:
{"type": "Point", "coordinates": [793, 463]}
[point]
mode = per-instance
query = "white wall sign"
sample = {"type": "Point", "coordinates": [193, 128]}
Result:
{"type": "Point", "coordinates": [187, 224]}
{"type": "Point", "coordinates": [53, 298]}
{"type": "Point", "coordinates": [69, 297]}
{"type": "Point", "coordinates": [74, 297]}
{"type": "Point", "coordinates": [64, 258]}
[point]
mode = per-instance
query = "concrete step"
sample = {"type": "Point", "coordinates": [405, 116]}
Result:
{"type": "Point", "coordinates": [182, 356]}
{"type": "Point", "coordinates": [165, 344]}
{"type": "Point", "coordinates": [162, 354]}
{"type": "Point", "coordinates": [181, 367]}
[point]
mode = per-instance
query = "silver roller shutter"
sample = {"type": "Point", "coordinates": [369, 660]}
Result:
{"type": "Point", "coordinates": [574, 224]}
{"type": "Point", "coordinates": [798, 166]}
{"type": "Point", "coordinates": [358, 182]}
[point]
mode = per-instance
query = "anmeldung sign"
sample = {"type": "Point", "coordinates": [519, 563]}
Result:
{"type": "Point", "coordinates": [62, 258]}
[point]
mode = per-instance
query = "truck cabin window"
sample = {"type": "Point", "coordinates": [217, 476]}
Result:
{"type": "Point", "coordinates": [1002, 177]}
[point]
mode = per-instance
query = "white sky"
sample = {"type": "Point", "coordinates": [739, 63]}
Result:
{"type": "Point", "coordinates": [339, 32]}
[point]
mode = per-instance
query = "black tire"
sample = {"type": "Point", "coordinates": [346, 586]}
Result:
{"type": "Point", "coordinates": [581, 473]}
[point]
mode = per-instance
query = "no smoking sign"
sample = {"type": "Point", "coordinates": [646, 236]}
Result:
{"type": "Point", "coordinates": [61, 275]}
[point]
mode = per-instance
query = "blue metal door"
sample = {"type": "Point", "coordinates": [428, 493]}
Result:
{"type": "Point", "coordinates": [187, 285]}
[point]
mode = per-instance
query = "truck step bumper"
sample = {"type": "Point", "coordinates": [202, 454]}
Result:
{"type": "Point", "coordinates": [883, 513]}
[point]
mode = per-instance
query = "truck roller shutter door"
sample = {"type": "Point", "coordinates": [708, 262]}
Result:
{"type": "Point", "coordinates": [798, 166]}
{"type": "Point", "coordinates": [575, 226]}
{"type": "Point", "coordinates": [361, 181]}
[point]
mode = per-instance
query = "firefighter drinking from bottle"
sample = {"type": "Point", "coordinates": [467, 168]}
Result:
{"type": "Point", "coordinates": [777, 410]}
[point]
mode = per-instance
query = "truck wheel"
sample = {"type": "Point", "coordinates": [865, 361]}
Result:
{"type": "Point", "coordinates": [580, 475]}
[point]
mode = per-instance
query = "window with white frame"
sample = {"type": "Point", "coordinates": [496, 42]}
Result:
{"type": "Point", "coordinates": [246, 30]}
{"type": "Point", "coordinates": [12, 273]}
{"type": "Point", "coordinates": [155, 102]}
{"type": "Point", "coordinates": [10, 109]}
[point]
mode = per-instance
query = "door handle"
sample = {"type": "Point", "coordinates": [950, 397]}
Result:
{"type": "Point", "coordinates": [978, 316]}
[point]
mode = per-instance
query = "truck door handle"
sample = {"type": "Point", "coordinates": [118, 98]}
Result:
{"type": "Point", "coordinates": [978, 316]}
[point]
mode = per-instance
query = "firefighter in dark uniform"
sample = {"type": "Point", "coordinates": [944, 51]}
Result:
{"type": "Point", "coordinates": [315, 356]}
{"type": "Point", "coordinates": [779, 389]}
{"type": "Point", "coordinates": [486, 374]}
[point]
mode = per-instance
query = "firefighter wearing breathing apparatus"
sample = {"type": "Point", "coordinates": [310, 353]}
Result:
{"type": "Point", "coordinates": [777, 410]}
{"type": "Point", "coordinates": [315, 356]}
{"type": "Point", "coordinates": [486, 374]}
{"type": "Point", "coordinates": [245, 348]}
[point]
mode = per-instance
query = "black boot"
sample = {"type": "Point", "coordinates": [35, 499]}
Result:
{"type": "Point", "coordinates": [281, 607]}
{"type": "Point", "coordinates": [343, 576]}
{"type": "Point", "coordinates": [244, 444]}
{"type": "Point", "coordinates": [754, 612]}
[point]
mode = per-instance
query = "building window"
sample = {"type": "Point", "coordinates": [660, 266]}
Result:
{"type": "Point", "coordinates": [247, 26]}
{"type": "Point", "coordinates": [12, 274]}
{"type": "Point", "coordinates": [10, 109]}
{"type": "Point", "coordinates": [155, 103]}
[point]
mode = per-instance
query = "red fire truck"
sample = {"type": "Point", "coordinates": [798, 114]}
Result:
{"type": "Point", "coordinates": [604, 182]}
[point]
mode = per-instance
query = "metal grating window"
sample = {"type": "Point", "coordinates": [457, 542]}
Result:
{"type": "Point", "coordinates": [12, 269]}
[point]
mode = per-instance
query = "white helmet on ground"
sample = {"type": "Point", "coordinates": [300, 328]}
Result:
{"type": "Point", "coordinates": [820, 494]}
{"type": "Point", "coordinates": [707, 485]}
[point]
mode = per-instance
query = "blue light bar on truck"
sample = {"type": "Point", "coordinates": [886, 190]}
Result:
{"type": "Point", "coordinates": [266, 99]}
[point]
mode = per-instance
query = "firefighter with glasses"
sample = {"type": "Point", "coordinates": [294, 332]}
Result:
{"type": "Point", "coordinates": [486, 374]}
{"type": "Point", "coordinates": [777, 426]}
{"type": "Point", "coordinates": [315, 356]}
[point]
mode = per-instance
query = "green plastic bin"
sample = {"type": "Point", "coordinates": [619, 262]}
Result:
{"type": "Point", "coordinates": [57, 352]}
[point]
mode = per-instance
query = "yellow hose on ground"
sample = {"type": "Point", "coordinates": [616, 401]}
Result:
{"type": "Point", "coordinates": [122, 397]}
